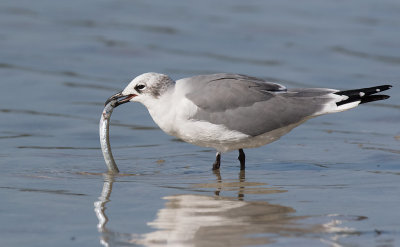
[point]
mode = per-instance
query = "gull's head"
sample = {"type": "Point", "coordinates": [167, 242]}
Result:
{"type": "Point", "coordinates": [144, 88]}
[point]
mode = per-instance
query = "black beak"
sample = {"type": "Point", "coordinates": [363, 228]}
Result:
{"type": "Point", "coordinates": [117, 96]}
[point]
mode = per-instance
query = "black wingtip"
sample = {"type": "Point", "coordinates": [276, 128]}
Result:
{"type": "Point", "coordinates": [372, 98]}
{"type": "Point", "coordinates": [384, 87]}
{"type": "Point", "coordinates": [364, 95]}
{"type": "Point", "coordinates": [365, 91]}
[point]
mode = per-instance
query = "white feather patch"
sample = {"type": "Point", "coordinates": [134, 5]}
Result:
{"type": "Point", "coordinates": [332, 107]}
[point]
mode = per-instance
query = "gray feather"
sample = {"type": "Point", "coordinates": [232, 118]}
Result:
{"type": "Point", "coordinates": [250, 105]}
{"type": "Point", "coordinates": [220, 92]}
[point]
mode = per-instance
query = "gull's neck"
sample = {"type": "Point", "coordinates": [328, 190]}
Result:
{"type": "Point", "coordinates": [162, 109]}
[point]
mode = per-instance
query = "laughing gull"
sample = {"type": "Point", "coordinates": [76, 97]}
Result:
{"type": "Point", "coordinates": [231, 111]}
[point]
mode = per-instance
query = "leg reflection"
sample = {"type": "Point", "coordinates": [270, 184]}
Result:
{"type": "Point", "coordinates": [240, 184]}
{"type": "Point", "coordinates": [242, 180]}
{"type": "Point", "coordinates": [219, 181]}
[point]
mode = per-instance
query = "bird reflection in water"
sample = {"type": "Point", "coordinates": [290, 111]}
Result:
{"type": "Point", "coordinates": [199, 220]}
{"type": "Point", "coordinates": [100, 208]}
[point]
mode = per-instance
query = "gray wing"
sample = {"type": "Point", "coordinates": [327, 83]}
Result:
{"type": "Point", "coordinates": [220, 92]}
{"type": "Point", "coordinates": [251, 105]}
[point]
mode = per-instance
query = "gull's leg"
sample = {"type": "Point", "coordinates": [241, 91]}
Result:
{"type": "Point", "coordinates": [242, 159]}
{"type": "Point", "coordinates": [217, 162]}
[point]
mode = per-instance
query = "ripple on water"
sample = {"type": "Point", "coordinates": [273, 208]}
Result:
{"type": "Point", "coordinates": [364, 55]}
{"type": "Point", "coordinates": [194, 219]}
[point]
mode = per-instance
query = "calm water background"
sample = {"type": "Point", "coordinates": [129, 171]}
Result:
{"type": "Point", "coordinates": [335, 181]}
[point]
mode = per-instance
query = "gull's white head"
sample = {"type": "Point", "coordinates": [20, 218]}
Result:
{"type": "Point", "coordinates": [144, 88]}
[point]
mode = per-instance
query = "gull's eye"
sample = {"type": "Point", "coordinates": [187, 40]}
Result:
{"type": "Point", "coordinates": [140, 87]}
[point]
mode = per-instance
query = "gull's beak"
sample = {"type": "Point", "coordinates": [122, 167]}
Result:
{"type": "Point", "coordinates": [119, 95]}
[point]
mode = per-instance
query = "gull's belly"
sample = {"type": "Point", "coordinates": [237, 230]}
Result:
{"type": "Point", "coordinates": [207, 134]}
{"type": "Point", "coordinates": [222, 139]}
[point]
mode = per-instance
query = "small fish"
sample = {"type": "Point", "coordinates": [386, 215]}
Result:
{"type": "Point", "coordinates": [104, 132]}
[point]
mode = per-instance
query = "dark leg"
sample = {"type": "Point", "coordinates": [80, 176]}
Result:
{"type": "Point", "coordinates": [217, 162]}
{"type": "Point", "coordinates": [242, 159]}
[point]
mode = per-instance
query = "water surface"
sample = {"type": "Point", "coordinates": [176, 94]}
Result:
{"type": "Point", "coordinates": [333, 181]}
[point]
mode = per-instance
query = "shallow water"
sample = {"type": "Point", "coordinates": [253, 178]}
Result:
{"type": "Point", "coordinates": [333, 181]}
